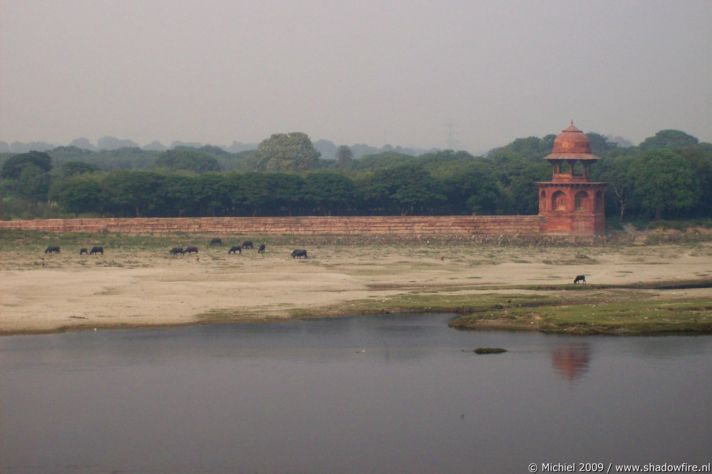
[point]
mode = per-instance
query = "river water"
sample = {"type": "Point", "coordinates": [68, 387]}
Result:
{"type": "Point", "coordinates": [395, 394]}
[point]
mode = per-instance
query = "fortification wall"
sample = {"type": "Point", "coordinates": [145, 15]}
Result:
{"type": "Point", "coordinates": [392, 225]}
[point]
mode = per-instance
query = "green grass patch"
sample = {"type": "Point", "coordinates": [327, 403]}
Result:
{"type": "Point", "coordinates": [632, 316]}
{"type": "Point", "coordinates": [647, 285]}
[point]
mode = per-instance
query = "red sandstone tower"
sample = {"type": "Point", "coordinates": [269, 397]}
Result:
{"type": "Point", "coordinates": [571, 204]}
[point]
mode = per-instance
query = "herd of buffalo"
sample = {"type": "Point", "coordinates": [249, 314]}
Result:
{"type": "Point", "coordinates": [235, 249]}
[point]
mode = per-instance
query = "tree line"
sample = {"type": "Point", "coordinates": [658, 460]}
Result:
{"type": "Point", "coordinates": [668, 175]}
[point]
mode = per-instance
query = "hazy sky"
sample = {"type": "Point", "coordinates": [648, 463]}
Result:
{"type": "Point", "coordinates": [353, 71]}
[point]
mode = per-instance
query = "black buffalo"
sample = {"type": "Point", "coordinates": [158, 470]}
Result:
{"type": "Point", "coordinates": [580, 278]}
{"type": "Point", "coordinates": [52, 249]}
{"type": "Point", "coordinates": [299, 253]}
{"type": "Point", "coordinates": [247, 244]}
{"type": "Point", "coordinates": [83, 251]}
{"type": "Point", "coordinates": [261, 249]}
{"type": "Point", "coordinates": [216, 241]}
{"type": "Point", "coordinates": [176, 251]}
{"type": "Point", "coordinates": [96, 249]}
{"type": "Point", "coordinates": [235, 249]}
{"type": "Point", "coordinates": [190, 249]}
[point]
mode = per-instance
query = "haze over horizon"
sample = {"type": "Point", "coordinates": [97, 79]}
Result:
{"type": "Point", "coordinates": [395, 72]}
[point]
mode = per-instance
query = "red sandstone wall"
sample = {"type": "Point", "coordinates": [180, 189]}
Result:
{"type": "Point", "coordinates": [396, 225]}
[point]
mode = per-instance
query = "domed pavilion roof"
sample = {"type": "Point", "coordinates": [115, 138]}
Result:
{"type": "Point", "coordinates": [571, 144]}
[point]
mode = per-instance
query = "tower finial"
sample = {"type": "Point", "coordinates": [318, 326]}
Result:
{"type": "Point", "coordinates": [572, 122]}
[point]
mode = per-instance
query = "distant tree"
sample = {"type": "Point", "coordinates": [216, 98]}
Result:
{"type": "Point", "coordinates": [475, 190]}
{"type": "Point", "coordinates": [113, 143]}
{"type": "Point", "coordinates": [27, 175]}
{"type": "Point", "coordinates": [33, 183]}
{"type": "Point", "coordinates": [407, 188]}
{"type": "Point", "coordinates": [530, 148]}
{"type": "Point", "coordinates": [266, 194]}
{"type": "Point", "coordinates": [177, 192]}
{"type": "Point", "coordinates": [191, 145]}
{"type": "Point", "coordinates": [378, 161]}
{"type": "Point", "coordinates": [699, 158]}
{"type": "Point", "coordinates": [83, 143]}
{"type": "Point", "coordinates": [213, 150]}
{"type": "Point", "coordinates": [284, 194]}
{"type": "Point", "coordinates": [668, 139]}
{"type": "Point", "coordinates": [186, 159]}
{"type": "Point", "coordinates": [618, 173]}
{"type": "Point", "coordinates": [20, 147]}
{"type": "Point", "coordinates": [326, 148]}
{"type": "Point", "coordinates": [134, 193]}
{"type": "Point", "coordinates": [81, 194]}
{"type": "Point", "coordinates": [13, 167]}
{"type": "Point", "coordinates": [209, 195]}
{"type": "Point", "coordinates": [518, 177]}
{"type": "Point", "coordinates": [328, 193]}
{"type": "Point", "coordinates": [600, 144]}
{"type": "Point", "coordinates": [155, 145]}
{"type": "Point", "coordinates": [286, 152]}
{"type": "Point", "coordinates": [344, 155]}
{"type": "Point", "coordinates": [619, 141]}
{"type": "Point", "coordinates": [665, 183]}
{"type": "Point", "coordinates": [72, 168]}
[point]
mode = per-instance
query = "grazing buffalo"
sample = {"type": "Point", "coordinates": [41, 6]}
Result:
{"type": "Point", "coordinates": [247, 244]}
{"type": "Point", "coordinates": [83, 251]}
{"type": "Point", "coordinates": [261, 249]}
{"type": "Point", "coordinates": [216, 241]}
{"type": "Point", "coordinates": [299, 253]}
{"type": "Point", "coordinates": [235, 249]}
{"type": "Point", "coordinates": [52, 249]}
{"type": "Point", "coordinates": [95, 250]}
{"type": "Point", "coordinates": [190, 249]}
{"type": "Point", "coordinates": [176, 251]}
{"type": "Point", "coordinates": [580, 279]}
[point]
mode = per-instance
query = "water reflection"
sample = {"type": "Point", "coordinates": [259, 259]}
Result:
{"type": "Point", "coordinates": [571, 360]}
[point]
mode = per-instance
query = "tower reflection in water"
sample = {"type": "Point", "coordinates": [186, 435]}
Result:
{"type": "Point", "coordinates": [571, 360]}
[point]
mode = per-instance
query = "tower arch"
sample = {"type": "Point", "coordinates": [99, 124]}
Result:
{"type": "Point", "coordinates": [582, 201]}
{"type": "Point", "coordinates": [558, 201]}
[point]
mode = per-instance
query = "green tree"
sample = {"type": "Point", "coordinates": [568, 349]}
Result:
{"type": "Point", "coordinates": [267, 194]}
{"type": "Point", "coordinates": [700, 161]}
{"type": "Point", "coordinates": [618, 173]}
{"type": "Point", "coordinates": [530, 148]}
{"type": "Point", "coordinates": [134, 193]}
{"type": "Point", "coordinates": [344, 155]}
{"type": "Point", "coordinates": [186, 159]}
{"type": "Point", "coordinates": [32, 183]}
{"type": "Point", "coordinates": [328, 193]}
{"type": "Point", "coordinates": [475, 190]}
{"type": "Point", "coordinates": [668, 139]}
{"type": "Point", "coordinates": [407, 188]}
{"type": "Point", "coordinates": [210, 196]}
{"type": "Point", "coordinates": [12, 168]}
{"type": "Point", "coordinates": [600, 144]}
{"type": "Point", "coordinates": [286, 152]}
{"type": "Point", "coordinates": [518, 177]}
{"type": "Point", "coordinates": [665, 183]}
{"type": "Point", "coordinates": [72, 168]}
{"type": "Point", "coordinates": [81, 193]}
{"type": "Point", "coordinates": [178, 198]}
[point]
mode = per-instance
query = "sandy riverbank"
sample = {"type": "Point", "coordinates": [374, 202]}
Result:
{"type": "Point", "coordinates": [131, 286]}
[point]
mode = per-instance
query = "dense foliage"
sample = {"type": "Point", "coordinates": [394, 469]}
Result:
{"type": "Point", "coordinates": [668, 176]}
